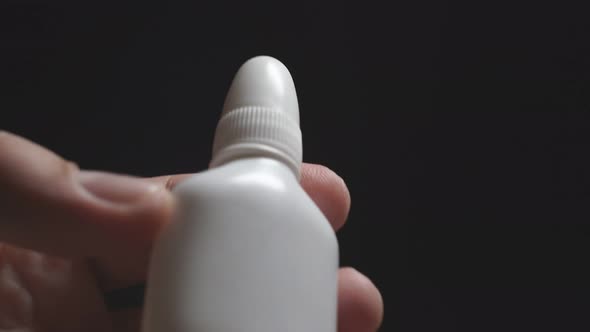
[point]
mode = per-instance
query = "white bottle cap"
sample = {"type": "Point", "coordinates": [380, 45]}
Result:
{"type": "Point", "coordinates": [260, 116]}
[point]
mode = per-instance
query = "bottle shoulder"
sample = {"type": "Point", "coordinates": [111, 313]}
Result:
{"type": "Point", "coordinates": [256, 176]}
{"type": "Point", "coordinates": [260, 191]}
{"type": "Point", "coordinates": [247, 187]}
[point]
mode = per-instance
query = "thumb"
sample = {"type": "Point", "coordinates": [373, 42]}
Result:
{"type": "Point", "coordinates": [47, 204]}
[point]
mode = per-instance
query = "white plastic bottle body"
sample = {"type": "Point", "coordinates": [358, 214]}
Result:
{"type": "Point", "coordinates": [248, 251]}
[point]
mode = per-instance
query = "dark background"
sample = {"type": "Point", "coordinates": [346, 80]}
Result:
{"type": "Point", "coordinates": [461, 128]}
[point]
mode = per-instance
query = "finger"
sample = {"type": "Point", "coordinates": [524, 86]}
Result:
{"type": "Point", "coordinates": [325, 188]}
{"type": "Point", "coordinates": [328, 191]}
{"type": "Point", "coordinates": [360, 305]}
{"type": "Point", "coordinates": [47, 204]}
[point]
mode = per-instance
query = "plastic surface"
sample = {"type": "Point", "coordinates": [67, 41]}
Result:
{"type": "Point", "coordinates": [260, 115]}
{"type": "Point", "coordinates": [248, 250]}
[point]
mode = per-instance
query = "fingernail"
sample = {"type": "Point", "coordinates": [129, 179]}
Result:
{"type": "Point", "coordinates": [118, 189]}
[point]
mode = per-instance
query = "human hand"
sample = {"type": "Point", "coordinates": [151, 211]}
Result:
{"type": "Point", "coordinates": [69, 237]}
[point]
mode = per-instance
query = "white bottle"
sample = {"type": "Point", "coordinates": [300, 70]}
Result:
{"type": "Point", "coordinates": [248, 250]}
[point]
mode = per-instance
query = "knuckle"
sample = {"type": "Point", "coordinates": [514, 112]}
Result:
{"type": "Point", "coordinates": [69, 168]}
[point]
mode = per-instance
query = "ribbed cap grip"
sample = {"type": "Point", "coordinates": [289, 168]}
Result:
{"type": "Point", "coordinates": [257, 131]}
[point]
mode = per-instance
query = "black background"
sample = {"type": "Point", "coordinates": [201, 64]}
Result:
{"type": "Point", "coordinates": [460, 127]}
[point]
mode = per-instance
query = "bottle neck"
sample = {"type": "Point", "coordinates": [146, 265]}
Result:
{"type": "Point", "coordinates": [254, 152]}
{"type": "Point", "coordinates": [258, 131]}
{"type": "Point", "coordinates": [260, 163]}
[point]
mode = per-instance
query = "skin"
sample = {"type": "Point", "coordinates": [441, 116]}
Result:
{"type": "Point", "coordinates": [70, 236]}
